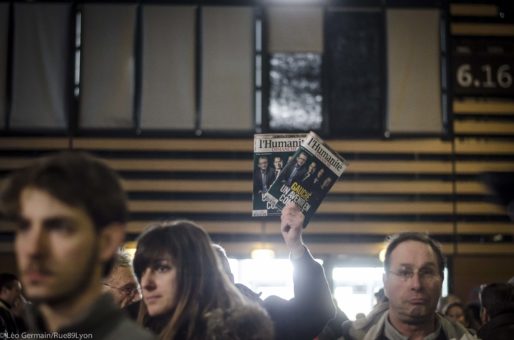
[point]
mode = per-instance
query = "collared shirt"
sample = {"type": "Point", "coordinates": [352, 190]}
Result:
{"type": "Point", "coordinates": [392, 333]}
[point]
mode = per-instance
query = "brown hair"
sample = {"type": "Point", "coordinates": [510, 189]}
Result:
{"type": "Point", "coordinates": [395, 240]}
{"type": "Point", "coordinates": [76, 179]}
{"type": "Point", "coordinates": [202, 287]}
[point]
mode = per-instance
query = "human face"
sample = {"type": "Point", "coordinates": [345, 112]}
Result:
{"type": "Point", "coordinates": [301, 159]}
{"type": "Point", "coordinates": [326, 183]}
{"type": "Point", "coordinates": [312, 167]}
{"type": "Point", "coordinates": [320, 173]}
{"type": "Point", "coordinates": [55, 248]}
{"type": "Point", "coordinates": [277, 162]}
{"type": "Point", "coordinates": [263, 164]}
{"type": "Point", "coordinates": [413, 299]}
{"type": "Point", "coordinates": [123, 286]}
{"type": "Point", "coordinates": [159, 284]}
{"type": "Point", "coordinates": [10, 295]}
{"type": "Point", "coordinates": [456, 313]}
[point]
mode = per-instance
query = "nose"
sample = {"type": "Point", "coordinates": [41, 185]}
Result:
{"type": "Point", "coordinates": [147, 280]}
{"type": "Point", "coordinates": [416, 281]}
{"type": "Point", "coordinates": [34, 241]}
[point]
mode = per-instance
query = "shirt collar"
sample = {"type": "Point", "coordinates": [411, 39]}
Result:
{"type": "Point", "coordinates": [392, 333]}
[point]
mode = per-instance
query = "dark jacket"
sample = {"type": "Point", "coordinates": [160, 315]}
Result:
{"type": "Point", "coordinates": [302, 317]}
{"type": "Point", "coordinates": [501, 327]}
{"type": "Point", "coordinates": [258, 184]}
{"type": "Point", "coordinates": [288, 173]}
{"type": "Point", "coordinates": [305, 315]}
{"type": "Point", "coordinates": [7, 320]}
{"type": "Point", "coordinates": [104, 321]}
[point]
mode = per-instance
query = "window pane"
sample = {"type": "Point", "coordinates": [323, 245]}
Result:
{"type": "Point", "coordinates": [295, 29]}
{"type": "Point", "coordinates": [295, 91]}
{"type": "Point", "coordinates": [40, 67]}
{"type": "Point", "coordinates": [227, 69]}
{"type": "Point", "coordinates": [414, 89]}
{"type": "Point", "coordinates": [4, 14]}
{"type": "Point", "coordinates": [355, 60]}
{"type": "Point", "coordinates": [168, 76]}
{"type": "Point", "coordinates": [107, 89]}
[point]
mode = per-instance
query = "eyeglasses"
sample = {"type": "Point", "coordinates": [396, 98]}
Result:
{"type": "Point", "coordinates": [424, 274]}
{"type": "Point", "coordinates": [126, 290]}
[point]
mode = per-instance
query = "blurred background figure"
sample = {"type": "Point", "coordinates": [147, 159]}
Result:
{"type": "Point", "coordinates": [186, 294]}
{"type": "Point", "coordinates": [446, 300]}
{"type": "Point", "coordinates": [70, 213]}
{"type": "Point", "coordinates": [457, 312]}
{"type": "Point", "coordinates": [305, 315]}
{"type": "Point", "coordinates": [10, 292]}
{"type": "Point", "coordinates": [497, 301]}
{"type": "Point", "coordinates": [122, 282]}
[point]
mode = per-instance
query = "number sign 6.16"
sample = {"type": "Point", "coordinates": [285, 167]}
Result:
{"type": "Point", "coordinates": [493, 78]}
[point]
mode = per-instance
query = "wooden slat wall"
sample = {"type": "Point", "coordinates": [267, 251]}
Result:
{"type": "Point", "coordinates": [420, 184]}
{"type": "Point", "coordinates": [484, 141]}
{"type": "Point", "coordinates": [390, 186]}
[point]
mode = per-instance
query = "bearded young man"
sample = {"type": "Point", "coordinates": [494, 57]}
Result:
{"type": "Point", "coordinates": [70, 212]}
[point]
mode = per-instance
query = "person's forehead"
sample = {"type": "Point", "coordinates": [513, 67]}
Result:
{"type": "Point", "coordinates": [38, 204]}
{"type": "Point", "coordinates": [412, 252]}
{"type": "Point", "coordinates": [123, 274]}
{"type": "Point", "coordinates": [37, 198]}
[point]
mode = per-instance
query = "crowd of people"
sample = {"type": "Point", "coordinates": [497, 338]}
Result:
{"type": "Point", "coordinates": [70, 213]}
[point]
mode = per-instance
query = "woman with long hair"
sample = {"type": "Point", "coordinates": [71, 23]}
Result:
{"type": "Point", "coordinates": [186, 294]}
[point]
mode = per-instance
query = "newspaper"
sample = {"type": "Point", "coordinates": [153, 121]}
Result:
{"type": "Point", "coordinates": [271, 153]}
{"type": "Point", "coordinates": [307, 177]}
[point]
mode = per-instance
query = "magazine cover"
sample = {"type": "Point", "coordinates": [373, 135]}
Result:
{"type": "Point", "coordinates": [307, 177]}
{"type": "Point", "coordinates": [271, 153]}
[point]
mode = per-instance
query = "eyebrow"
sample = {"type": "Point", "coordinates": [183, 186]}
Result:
{"type": "Point", "coordinates": [424, 265]}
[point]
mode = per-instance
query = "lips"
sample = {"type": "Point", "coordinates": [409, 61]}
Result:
{"type": "Point", "coordinates": [151, 299]}
{"type": "Point", "coordinates": [418, 301]}
{"type": "Point", "coordinates": [35, 276]}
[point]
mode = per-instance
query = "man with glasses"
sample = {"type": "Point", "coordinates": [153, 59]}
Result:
{"type": "Point", "coordinates": [122, 283]}
{"type": "Point", "coordinates": [413, 278]}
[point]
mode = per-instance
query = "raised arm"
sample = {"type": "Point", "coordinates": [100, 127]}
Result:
{"type": "Point", "coordinates": [304, 316]}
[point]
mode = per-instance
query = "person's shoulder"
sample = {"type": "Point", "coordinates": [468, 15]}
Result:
{"type": "Point", "coordinates": [454, 330]}
{"type": "Point", "coordinates": [244, 321]}
{"type": "Point", "coordinates": [128, 329]}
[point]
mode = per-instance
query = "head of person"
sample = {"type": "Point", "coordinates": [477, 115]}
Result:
{"type": "Point", "coordinates": [278, 163]}
{"type": "Point", "coordinates": [320, 173]}
{"type": "Point", "coordinates": [181, 278]}
{"type": "Point", "coordinates": [263, 163]}
{"type": "Point", "coordinates": [312, 167]}
{"type": "Point", "coordinates": [223, 259]}
{"type": "Point", "coordinates": [414, 267]}
{"type": "Point", "coordinates": [455, 311]}
{"type": "Point", "coordinates": [70, 212]}
{"type": "Point", "coordinates": [122, 283]}
{"type": "Point", "coordinates": [326, 183]}
{"type": "Point", "coordinates": [496, 299]}
{"type": "Point", "coordinates": [301, 159]}
{"type": "Point", "coordinates": [10, 288]}
{"type": "Point", "coordinates": [446, 300]}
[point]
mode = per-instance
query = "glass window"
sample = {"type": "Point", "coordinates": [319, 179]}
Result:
{"type": "Point", "coordinates": [295, 91]}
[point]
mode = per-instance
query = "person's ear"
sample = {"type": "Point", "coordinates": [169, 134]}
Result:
{"type": "Point", "coordinates": [384, 282]}
{"type": "Point", "coordinates": [483, 315]}
{"type": "Point", "coordinates": [110, 239]}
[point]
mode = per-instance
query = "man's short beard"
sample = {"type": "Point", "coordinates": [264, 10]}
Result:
{"type": "Point", "coordinates": [415, 320]}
